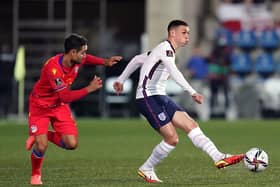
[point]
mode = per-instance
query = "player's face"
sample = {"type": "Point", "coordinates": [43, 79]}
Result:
{"type": "Point", "coordinates": [182, 34]}
{"type": "Point", "coordinates": [78, 56]}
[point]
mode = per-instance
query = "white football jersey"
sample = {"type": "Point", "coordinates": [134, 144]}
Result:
{"type": "Point", "coordinates": [156, 69]}
{"type": "Point", "coordinates": [157, 66]}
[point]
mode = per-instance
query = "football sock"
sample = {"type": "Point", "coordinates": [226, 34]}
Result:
{"type": "Point", "coordinates": [55, 138]}
{"type": "Point", "coordinates": [203, 142]}
{"type": "Point", "coordinates": [37, 159]}
{"type": "Point", "coordinates": [159, 153]}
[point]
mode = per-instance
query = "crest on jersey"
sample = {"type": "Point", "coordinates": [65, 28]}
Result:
{"type": "Point", "coordinates": [169, 53]}
{"type": "Point", "coordinates": [162, 116]}
{"type": "Point", "coordinates": [58, 81]}
{"type": "Point", "coordinates": [54, 71]}
{"type": "Point", "coordinates": [33, 128]}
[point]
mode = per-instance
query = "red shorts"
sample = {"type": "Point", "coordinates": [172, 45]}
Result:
{"type": "Point", "coordinates": [59, 117]}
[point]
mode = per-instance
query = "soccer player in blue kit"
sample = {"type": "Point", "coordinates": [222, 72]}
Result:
{"type": "Point", "coordinates": [163, 114]}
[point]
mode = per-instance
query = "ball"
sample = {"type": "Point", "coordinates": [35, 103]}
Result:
{"type": "Point", "coordinates": [256, 159]}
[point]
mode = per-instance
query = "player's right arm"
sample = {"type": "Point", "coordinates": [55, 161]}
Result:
{"type": "Point", "coordinates": [132, 66]}
{"type": "Point", "coordinates": [55, 77]}
{"type": "Point", "coordinates": [67, 96]}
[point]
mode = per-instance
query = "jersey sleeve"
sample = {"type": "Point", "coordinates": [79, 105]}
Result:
{"type": "Point", "coordinates": [168, 59]}
{"type": "Point", "coordinates": [68, 96]}
{"type": "Point", "coordinates": [132, 66]}
{"type": "Point", "coordinates": [93, 60]}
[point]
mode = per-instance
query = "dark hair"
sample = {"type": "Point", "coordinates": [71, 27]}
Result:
{"type": "Point", "coordinates": [74, 41]}
{"type": "Point", "coordinates": [175, 23]}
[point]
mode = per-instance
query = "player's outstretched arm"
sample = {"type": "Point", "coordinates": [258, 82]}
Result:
{"type": "Point", "coordinates": [112, 61]}
{"type": "Point", "coordinates": [94, 60]}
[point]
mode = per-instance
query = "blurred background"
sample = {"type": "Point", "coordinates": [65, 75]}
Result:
{"type": "Point", "coordinates": [233, 58]}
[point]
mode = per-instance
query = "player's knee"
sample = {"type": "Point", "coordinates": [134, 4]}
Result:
{"type": "Point", "coordinates": [173, 140]}
{"type": "Point", "coordinates": [41, 147]}
{"type": "Point", "coordinates": [71, 145]}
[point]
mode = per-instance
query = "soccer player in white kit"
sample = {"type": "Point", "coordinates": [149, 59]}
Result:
{"type": "Point", "coordinates": [163, 114]}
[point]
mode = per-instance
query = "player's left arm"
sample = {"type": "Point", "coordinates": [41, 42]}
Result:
{"type": "Point", "coordinates": [169, 63]}
{"type": "Point", "coordinates": [94, 60]}
{"type": "Point", "coordinates": [67, 96]}
{"type": "Point", "coordinates": [180, 79]}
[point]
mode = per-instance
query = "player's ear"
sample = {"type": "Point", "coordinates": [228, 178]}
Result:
{"type": "Point", "coordinates": [172, 32]}
{"type": "Point", "coordinates": [73, 51]}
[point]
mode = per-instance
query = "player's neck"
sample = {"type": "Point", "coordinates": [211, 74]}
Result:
{"type": "Point", "coordinates": [173, 44]}
{"type": "Point", "coordinates": [66, 62]}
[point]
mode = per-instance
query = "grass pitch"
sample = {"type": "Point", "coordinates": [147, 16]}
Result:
{"type": "Point", "coordinates": [111, 151]}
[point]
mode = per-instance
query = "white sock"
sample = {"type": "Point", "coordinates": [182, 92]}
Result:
{"type": "Point", "coordinates": [159, 153]}
{"type": "Point", "coordinates": [203, 142]}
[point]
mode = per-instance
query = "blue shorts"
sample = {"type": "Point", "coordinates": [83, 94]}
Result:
{"type": "Point", "coordinates": [158, 109]}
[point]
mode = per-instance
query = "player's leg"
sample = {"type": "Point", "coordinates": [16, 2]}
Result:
{"type": "Point", "coordinates": [65, 141]}
{"type": "Point", "coordinates": [160, 151]}
{"type": "Point", "coordinates": [37, 158]}
{"type": "Point", "coordinates": [38, 128]}
{"type": "Point", "coordinates": [152, 109]}
{"type": "Point", "coordinates": [170, 140]}
{"type": "Point", "coordinates": [183, 121]}
{"type": "Point", "coordinates": [53, 136]}
{"type": "Point", "coordinates": [65, 134]}
{"type": "Point", "coordinates": [30, 141]}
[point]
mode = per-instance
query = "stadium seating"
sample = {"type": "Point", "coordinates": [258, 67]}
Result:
{"type": "Point", "coordinates": [223, 37]}
{"type": "Point", "coordinates": [264, 64]}
{"type": "Point", "coordinates": [245, 39]}
{"type": "Point", "coordinates": [268, 39]}
{"type": "Point", "coordinates": [241, 63]}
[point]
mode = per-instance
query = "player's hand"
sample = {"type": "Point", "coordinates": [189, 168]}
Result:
{"type": "Point", "coordinates": [95, 84]}
{"type": "Point", "coordinates": [118, 87]}
{"type": "Point", "coordinates": [112, 61]}
{"type": "Point", "coordinates": [197, 98]}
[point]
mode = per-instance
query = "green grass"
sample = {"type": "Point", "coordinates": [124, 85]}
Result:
{"type": "Point", "coordinates": [111, 151]}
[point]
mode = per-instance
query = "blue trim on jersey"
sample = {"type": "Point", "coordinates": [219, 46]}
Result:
{"type": "Point", "coordinates": [151, 73]}
{"type": "Point", "coordinates": [144, 86]}
{"type": "Point", "coordinates": [171, 46]}
{"type": "Point", "coordinates": [60, 63]}
{"type": "Point", "coordinates": [149, 77]}
{"type": "Point", "coordinates": [60, 59]}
